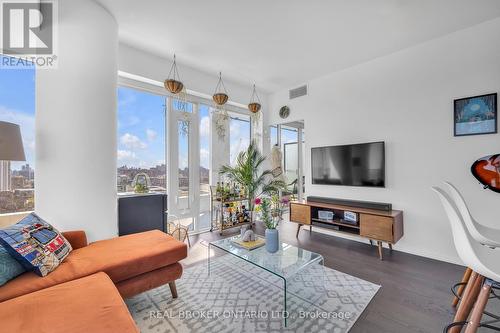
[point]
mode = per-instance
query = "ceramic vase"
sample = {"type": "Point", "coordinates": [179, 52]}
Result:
{"type": "Point", "coordinates": [272, 240]}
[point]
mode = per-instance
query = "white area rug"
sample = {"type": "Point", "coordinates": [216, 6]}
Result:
{"type": "Point", "coordinates": [240, 297]}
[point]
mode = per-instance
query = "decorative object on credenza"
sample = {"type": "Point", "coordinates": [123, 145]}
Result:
{"type": "Point", "coordinates": [487, 171]}
{"type": "Point", "coordinates": [325, 215]}
{"type": "Point", "coordinates": [350, 217]}
{"type": "Point", "coordinates": [173, 82]}
{"type": "Point", "coordinates": [11, 143]}
{"type": "Point", "coordinates": [475, 115]}
{"type": "Point", "coordinates": [284, 112]}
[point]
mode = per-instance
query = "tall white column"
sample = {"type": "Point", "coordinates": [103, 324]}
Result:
{"type": "Point", "coordinates": [76, 124]}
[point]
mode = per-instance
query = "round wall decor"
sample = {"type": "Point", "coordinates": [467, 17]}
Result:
{"type": "Point", "coordinates": [284, 112]}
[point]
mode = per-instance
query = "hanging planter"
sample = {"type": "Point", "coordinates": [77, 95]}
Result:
{"type": "Point", "coordinates": [254, 106]}
{"type": "Point", "coordinates": [220, 98]}
{"type": "Point", "coordinates": [220, 95]}
{"type": "Point", "coordinates": [173, 83]}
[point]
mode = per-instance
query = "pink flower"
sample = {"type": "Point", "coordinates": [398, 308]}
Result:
{"type": "Point", "coordinates": [285, 200]}
{"type": "Point", "coordinates": [258, 201]}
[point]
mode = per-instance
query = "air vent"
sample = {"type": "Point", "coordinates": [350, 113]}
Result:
{"type": "Point", "coordinates": [297, 92]}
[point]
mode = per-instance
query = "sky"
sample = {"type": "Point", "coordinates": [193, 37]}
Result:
{"type": "Point", "coordinates": [141, 128]}
{"type": "Point", "coordinates": [141, 131]}
{"type": "Point", "coordinates": [17, 105]}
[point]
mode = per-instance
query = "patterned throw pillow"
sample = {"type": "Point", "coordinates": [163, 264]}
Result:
{"type": "Point", "coordinates": [35, 244]}
{"type": "Point", "coordinates": [9, 267]}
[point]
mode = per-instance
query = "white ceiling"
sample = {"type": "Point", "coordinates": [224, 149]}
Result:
{"type": "Point", "coordinates": [282, 43]}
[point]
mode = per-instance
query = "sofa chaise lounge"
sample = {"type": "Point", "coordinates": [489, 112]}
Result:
{"type": "Point", "coordinates": [133, 263]}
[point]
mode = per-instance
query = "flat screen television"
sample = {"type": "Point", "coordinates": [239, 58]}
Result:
{"type": "Point", "coordinates": [351, 165]}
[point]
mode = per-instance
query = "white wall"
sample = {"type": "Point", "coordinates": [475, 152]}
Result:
{"type": "Point", "coordinates": [406, 100]}
{"type": "Point", "coordinates": [76, 124]}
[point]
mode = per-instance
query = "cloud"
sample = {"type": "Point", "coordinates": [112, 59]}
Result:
{"type": "Point", "coordinates": [205, 127]}
{"type": "Point", "coordinates": [125, 154]}
{"type": "Point", "coordinates": [151, 134]}
{"type": "Point", "coordinates": [131, 141]}
{"type": "Point", "coordinates": [204, 158]}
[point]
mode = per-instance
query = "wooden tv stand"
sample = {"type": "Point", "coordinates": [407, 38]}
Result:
{"type": "Point", "coordinates": [374, 225]}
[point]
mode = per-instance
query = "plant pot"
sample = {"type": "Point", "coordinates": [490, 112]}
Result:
{"type": "Point", "coordinates": [272, 240]}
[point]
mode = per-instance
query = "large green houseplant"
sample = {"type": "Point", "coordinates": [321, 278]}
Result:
{"type": "Point", "coordinates": [249, 173]}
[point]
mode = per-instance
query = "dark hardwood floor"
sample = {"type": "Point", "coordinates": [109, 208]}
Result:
{"type": "Point", "coordinates": [415, 294]}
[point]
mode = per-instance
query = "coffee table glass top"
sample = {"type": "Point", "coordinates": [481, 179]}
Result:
{"type": "Point", "coordinates": [285, 263]}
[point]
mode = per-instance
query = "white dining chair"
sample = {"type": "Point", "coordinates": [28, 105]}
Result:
{"type": "Point", "coordinates": [481, 233]}
{"type": "Point", "coordinates": [485, 271]}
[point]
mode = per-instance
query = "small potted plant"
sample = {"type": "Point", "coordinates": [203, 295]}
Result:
{"type": "Point", "coordinates": [270, 222]}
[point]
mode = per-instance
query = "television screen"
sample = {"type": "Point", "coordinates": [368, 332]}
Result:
{"type": "Point", "coordinates": [352, 165]}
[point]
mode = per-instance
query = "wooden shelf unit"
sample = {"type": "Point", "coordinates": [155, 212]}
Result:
{"type": "Point", "coordinates": [374, 225]}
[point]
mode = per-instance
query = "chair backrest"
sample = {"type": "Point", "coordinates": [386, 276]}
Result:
{"type": "Point", "coordinates": [460, 236]}
{"type": "Point", "coordinates": [460, 203]}
{"type": "Point", "coordinates": [479, 258]}
{"type": "Point", "coordinates": [479, 232]}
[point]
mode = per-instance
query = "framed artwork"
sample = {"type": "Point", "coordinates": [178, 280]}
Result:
{"type": "Point", "coordinates": [475, 115]}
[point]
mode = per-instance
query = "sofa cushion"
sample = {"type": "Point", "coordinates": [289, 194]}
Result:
{"type": "Point", "coordinates": [37, 245]}
{"type": "Point", "coordinates": [89, 304]}
{"type": "Point", "coordinates": [121, 258]}
{"type": "Point", "coordinates": [9, 267]}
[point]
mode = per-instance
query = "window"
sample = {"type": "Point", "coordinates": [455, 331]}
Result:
{"type": "Point", "coordinates": [204, 117]}
{"type": "Point", "coordinates": [239, 136]}
{"type": "Point", "coordinates": [273, 136]}
{"type": "Point", "coordinates": [141, 141]}
{"type": "Point", "coordinates": [17, 105]}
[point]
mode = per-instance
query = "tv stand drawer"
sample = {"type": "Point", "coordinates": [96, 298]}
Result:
{"type": "Point", "coordinates": [300, 213]}
{"type": "Point", "coordinates": [376, 227]}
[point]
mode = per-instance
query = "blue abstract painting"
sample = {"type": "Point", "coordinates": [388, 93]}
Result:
{"type": "Point", "coordinates": [476, 115]}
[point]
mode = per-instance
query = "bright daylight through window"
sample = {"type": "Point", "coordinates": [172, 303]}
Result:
{"type": "Point", "coordinates": [239, 136]}
{"type": "Point", "coordinates": [141, 141]}
{"type": "Point", "coordinates": [17, 105]}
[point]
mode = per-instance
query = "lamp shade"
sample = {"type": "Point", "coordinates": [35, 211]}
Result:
{"type": "Point", "coordinates": [11, 143]}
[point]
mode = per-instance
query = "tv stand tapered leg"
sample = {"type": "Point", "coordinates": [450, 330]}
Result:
{"type": "Point", "coordinates": [298, 229]}
{"type": "Point", "coordinates": [380, 250]}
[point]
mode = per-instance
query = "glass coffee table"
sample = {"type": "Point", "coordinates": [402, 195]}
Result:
{"type": "Point", "coordinates": [286, 263]}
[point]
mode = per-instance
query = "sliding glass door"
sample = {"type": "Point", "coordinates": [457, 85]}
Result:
{"type": "Point", "coordinates": [189, 164]}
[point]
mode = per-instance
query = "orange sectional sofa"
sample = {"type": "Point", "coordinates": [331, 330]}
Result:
{"type": "Point", "coordinates": [133, 263]}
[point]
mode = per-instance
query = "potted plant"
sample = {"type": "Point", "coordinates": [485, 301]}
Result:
{"type": "Point", "coordinates": [248, 173]}
{"type": "Point", "coordinates": [270, 222]}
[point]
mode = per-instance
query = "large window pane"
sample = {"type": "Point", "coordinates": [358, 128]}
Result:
{"type": "Point", "coordinates": [203, 221]}
{"type": "Point", "coordinates": [17, 105]}
{"type": "Point", "coordinates": [141, 142]}
{"type": "Point", "coordinates": [239, 136]}
{"type": "Point", "coordinates": [289, 140]}
{"type": "Point", "coordinates": [183, 193]}
{"type": "Point", "coordinates": [204, 117]}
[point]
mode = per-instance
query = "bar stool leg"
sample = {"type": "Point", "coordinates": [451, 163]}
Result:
{"type": "Point", "coordinates": [460, 289]}
{"type": "Point", "coordinates": [468, 299]}
{"type": "Point", "coordinates": [477, 312]}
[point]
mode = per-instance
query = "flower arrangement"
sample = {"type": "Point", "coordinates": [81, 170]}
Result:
{"type": "Point", "coordinates": [271, 210]}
